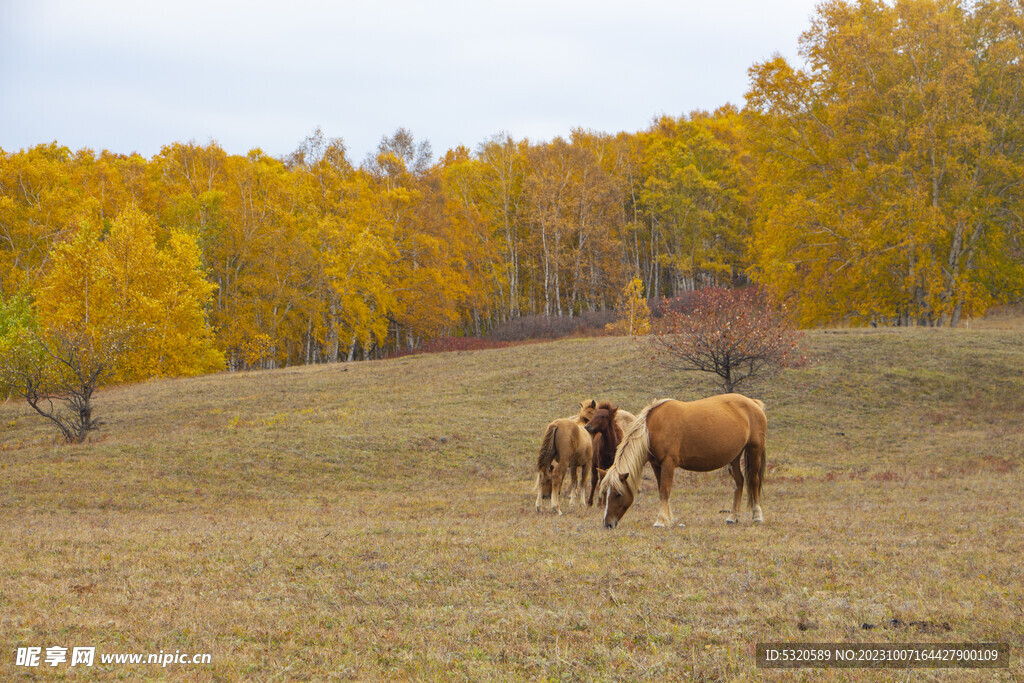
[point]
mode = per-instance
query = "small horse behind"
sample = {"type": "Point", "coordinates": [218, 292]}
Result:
{"type": "Point", "coordinates": [566, 446]}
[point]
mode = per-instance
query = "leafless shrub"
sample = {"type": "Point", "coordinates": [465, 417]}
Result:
{"type": "Point", "coordinates": [57, 373]}
{"type": "Point", "coordinates": [735, 334]}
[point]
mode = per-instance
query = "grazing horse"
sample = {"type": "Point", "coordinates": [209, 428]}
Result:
{"type": "Point", "coordinates": [607, 433]}
{"type": "Point", "coordinates": [700, 436]}
{"type": "Point", "coordinates": [622, 418]}
{"type": "Point", "coordinates": [566, 446]}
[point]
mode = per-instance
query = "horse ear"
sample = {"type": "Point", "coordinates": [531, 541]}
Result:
{"type": "Point", "coordinates": [601, 473]}
{"type": "Point", "coordinates": [593, 403]}
{"type": "Point", "coordinates": [624, 476]}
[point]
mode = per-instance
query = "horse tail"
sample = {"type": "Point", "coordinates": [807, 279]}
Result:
{"type": "Point", "coordinates": [763, 470]}
{"type": "Point", "coordinates": [762, 467]}
{"type": "Point", "coordinates": [547, 448]}
{"type": "Point", "coordinates": [754, 483]}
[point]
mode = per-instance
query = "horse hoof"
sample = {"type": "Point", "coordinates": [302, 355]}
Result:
{"type": "Point", "coordinates": [732, 520]}
{"type": "Point", "coordinates": [758, 520]}
{"type": "Point", "coordinates": [659, 524]}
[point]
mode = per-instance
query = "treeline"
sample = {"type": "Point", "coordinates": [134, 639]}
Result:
{"type": "Point", "coordinates": [881, 183]}
{"type": "Point", "coordinates": [315, 259]}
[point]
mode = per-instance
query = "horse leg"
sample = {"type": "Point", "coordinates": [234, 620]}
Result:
{"type": "Point", "coordinates": [736, 469]}
{"type": "Point", "coordinates": [592, 469]}
{"type": "Point", "coordinates": [664, 475]}
{"type": "Point", "coordinates": [574, 484]}
{"type": "Point", "coordinates": [556, 488]}
{"type": "Point", "coordinates": [584, 473]}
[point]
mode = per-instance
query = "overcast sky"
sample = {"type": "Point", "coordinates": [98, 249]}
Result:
{"type": "Point", "coordinates": [135, 75]}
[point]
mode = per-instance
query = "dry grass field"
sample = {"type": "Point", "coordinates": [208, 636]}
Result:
{"type": "Point", "coordinates": [375, 521]}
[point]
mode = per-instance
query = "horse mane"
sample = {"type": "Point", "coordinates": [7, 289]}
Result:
{"type": "Point", "coordinates": [631, 455]}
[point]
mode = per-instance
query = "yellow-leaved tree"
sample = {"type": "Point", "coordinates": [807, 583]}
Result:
{"type": "Point", "coordinates": [634, 316]}
{"type": "Point", "coordinates": [125, 281]}
{"type": "Point", "coordinates": [889, 187]}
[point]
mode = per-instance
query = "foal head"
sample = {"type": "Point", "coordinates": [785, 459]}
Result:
{"type": "Point", "coordinates": [603, 419]}
{"type": "Point", "coordinates": [587, 409]}
{"type": "Point", "coordinates": [545, 480]}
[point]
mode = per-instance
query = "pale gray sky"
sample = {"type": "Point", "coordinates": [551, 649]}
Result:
{"type": "Point", "coordinates": [134, 75]}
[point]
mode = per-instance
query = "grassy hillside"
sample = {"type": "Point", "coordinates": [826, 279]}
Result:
{"type": "Point", "coordinates": [376, 520]}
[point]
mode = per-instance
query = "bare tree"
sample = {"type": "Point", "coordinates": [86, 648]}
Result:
{"type": "Point", "coordinates": [735, 334]}
{"type": "Point", "coordinates": [58, 373]}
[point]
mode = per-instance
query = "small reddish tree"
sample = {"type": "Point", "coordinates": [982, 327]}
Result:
{"type": "Point", "coordinates": [733, 333]}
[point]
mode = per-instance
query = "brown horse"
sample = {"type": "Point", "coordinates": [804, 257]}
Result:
{"type": "Point", "coordinates": [623, 418]}
{"type": "Point", "coordinates": [566, 446]}
{"type": "Point", "coordinates": [700, 436]}
{"type": "Point", "coordinates": [607, 434]}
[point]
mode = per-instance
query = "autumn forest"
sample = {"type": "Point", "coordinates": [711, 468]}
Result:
{"type": "Point", "coordinates": [879, 182]}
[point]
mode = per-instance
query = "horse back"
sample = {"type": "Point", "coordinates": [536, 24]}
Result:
{"type": "Point", "coordinates": [623, 419]}
{"type": "Point", "coordinates": [706, 434]}
{"type": "Point", "coordinates": [572, 442]}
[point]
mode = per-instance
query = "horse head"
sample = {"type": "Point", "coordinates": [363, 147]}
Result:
{"type": "Point", "coordinates": [587, 409]}
{"type": "Point", "coordinates": [618, 496]}
{"type": "Point", "coordinates": [602, 420]}
{"type": "Point", "coordinates": [546, 479]}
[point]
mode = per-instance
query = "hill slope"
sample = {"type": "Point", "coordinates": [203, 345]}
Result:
{"type": "Point", "coordinates": [376, 520]}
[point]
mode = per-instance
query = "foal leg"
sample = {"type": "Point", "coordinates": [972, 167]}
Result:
{"type": "Point", "coordinates": [592, 471]}
{"type": "Point", "coordinates": [664, 475]}
{"type": "Point", "coordinates": [574, 486]}
{"type": "Point", "coordinates": [736, 469]}
{"type": "Point", "coordinates": [584, 474]}
{"type": "Point", "coordinates": [556, 488]}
